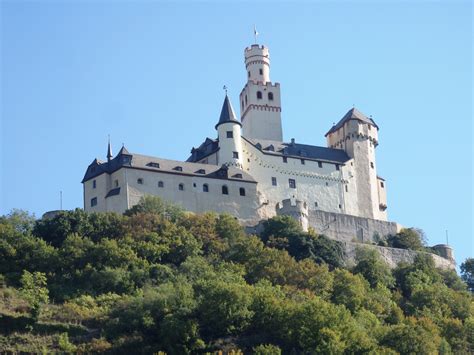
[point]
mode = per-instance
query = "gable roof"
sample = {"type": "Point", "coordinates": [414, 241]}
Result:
{"type": "Point", "coordinates": [208, 147]}
{"type": "Point", "coordinates": [302, 151]}
{"type": "Point", "coordinates": [142, 162]}
{"type": "Point", "coordinates": [352, 114]}
{"type": "Point", "coordinates": [227, 113]}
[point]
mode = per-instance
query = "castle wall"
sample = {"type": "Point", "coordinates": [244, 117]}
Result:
{"type": "Point", "coordinates": [321, 188]}
{"type": "Point", "coordinates": [394, 256]}
{"type": "Point", "coordinates": [350, 228]}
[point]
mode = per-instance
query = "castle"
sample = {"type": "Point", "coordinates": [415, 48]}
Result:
{"type": "Point", "coordinates": [250, 172]}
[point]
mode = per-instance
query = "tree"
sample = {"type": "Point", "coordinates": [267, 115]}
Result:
{"type": "Point", "coordinates": [467, 273]}
{"type": "Point", "coordinates": [407, 238]}
{"type": "Point", "coordinates": [370, 265]}
{"type": "Point", "coordinates": [156, 205]}
{"type": "Point", "coordinates": [33, 289]}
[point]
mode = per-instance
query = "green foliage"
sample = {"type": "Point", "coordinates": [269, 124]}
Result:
{"type": "Point", "coordinates": [164, 281]}
{"type": "Point", "coordinates": [407, 238]}
{"type": "Point", "coordinates": [370, 265]}
{"type": "Point", "coordinates": [34, 291]}
{"type": "Point", "coordinates": [467, 273]}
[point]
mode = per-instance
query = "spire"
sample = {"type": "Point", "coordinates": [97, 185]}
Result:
{"type": "Point", "coordinates": [109, 151]}
{"type": "Point", "coordinates": [227, 113]}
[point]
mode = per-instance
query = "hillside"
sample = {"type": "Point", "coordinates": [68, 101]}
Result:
{"type": "Point", "coordinates": [161, 280]}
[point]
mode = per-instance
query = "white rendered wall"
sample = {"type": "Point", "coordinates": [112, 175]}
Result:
{"type": "Point", "coordinates": [227, 146]}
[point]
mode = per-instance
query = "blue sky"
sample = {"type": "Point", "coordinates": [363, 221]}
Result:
{"type": "Point", "coordinates": [150, 74]}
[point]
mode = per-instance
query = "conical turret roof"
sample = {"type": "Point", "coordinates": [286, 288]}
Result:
{"type": "Point", "coordinates": [227, 113]}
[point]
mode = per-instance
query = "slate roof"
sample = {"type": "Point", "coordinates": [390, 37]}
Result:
{"type": "Point", "coordinates": [303, 151]}
{"type": "Point", "coordinates": [208, 147]}
{"type": "Point", "coordinates": [227, 113]}
{"type": "Point", "coordinates": [138, 161]}
{"type": "Point", "coordinates": [352, 114]}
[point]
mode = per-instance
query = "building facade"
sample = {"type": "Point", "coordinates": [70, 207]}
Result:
{"type": "Point", "coordinates": [248, 170]}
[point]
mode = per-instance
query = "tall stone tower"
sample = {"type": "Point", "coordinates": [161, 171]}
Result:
{"type": "Point", "coordinates": [357, 135]}
{"type": "Point", "coordinates": [230, 143]}
{"type": "Point", "coordinates": [260, 103]}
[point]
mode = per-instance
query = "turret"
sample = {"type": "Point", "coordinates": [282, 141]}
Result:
{"type": "Point", "coordinates": [260, 104]}
{"type": "Point", "coordinates": [357, 135]}
{"type": "Point", "coordinates": [230, 143]}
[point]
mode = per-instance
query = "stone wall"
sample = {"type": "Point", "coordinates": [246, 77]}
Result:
{"type": "Point", "coordinates": [349, 228]}
{"type": "Point", "coordinates": [394, 256]}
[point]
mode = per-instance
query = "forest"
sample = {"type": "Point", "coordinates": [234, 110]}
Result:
{"type": "Point", "coordinates": [159, 280]}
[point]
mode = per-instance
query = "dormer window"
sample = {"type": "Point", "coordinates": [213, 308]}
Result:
{"type": "Point", "coordinates": [125, 159]}
{"type": "Point", "coordinates": [259, 95]}
{"type": "Point", "coordinates": [237, 176]}
{"type": "Point", "coordinates": [153, 165]}
{"type": "Point", "coordinates": [201, 171]}
{"type": "Point", "coordinates": [270, 96]}
{"type": "Point", "coordinates": [178, 168]}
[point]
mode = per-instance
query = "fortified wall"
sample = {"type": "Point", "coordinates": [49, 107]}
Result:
{"type": "Point", "coordinates": [356, 232]}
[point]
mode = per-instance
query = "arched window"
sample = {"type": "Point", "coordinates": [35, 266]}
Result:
{"type": "Point", "coordinates": [259, 94]}
{"type": "Point", "coordinates": [242, 191]}
{"type": "Point", "coordinates": [161, 184]}
{"type": "Point", "coordinates": [225, 190]}
{"type": "Point", "coordinates": [181, 187]}
{"type": "Point", "coordinates": [270, 96]}
{"type": "Point", "coordinates": [205, 188]}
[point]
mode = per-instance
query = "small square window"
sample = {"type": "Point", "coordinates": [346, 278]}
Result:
{"type": "Point", "coordinates": [94, 202]}
{"type": "Point", "coordinates": [94, 184]}
{"type": "Point", "coordinates": [230, 134]}
{"type": "Point", "coordinates": [161, 184]}
{"type": "Point", "coordinates": [337, 166]}
{"type": "Point", "coordinates": [194, 184]}
{"type": "Point", "coordinates": [285, 160]}
{"type": "Point", "coordinates": [181, 187]}
{"type": "Point", "coordinates": [116, 183]}
{"type": "Point", "coordinates": [235, 155]}
{"type": "Point", "coordinates": [140, 181]}
{"type": "Point", "coordinates": [274, 181]}
{"type": "Point", "coordinates": [302, 161]}
{"type": "Point", "coordinates": [292, 183]}
{"type": "Point", "coordinates": [320, 164]}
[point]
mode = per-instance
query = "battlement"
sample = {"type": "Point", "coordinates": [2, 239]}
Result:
{"type": "Point", "coordinates": [256, 48]}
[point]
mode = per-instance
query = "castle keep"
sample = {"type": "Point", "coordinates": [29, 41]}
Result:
{"type": "Point", "coordinates": [251, 172]}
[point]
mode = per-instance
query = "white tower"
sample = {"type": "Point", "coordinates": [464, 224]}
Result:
{"type": "Point", "coordinates": [230, 143]}
{"type": "Point", "coordinates": [357, 135]}
{"type": "Point", "coordinates": [260, 103]}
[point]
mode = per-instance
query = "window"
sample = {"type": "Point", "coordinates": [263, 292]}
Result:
{"type": "Point", "coordinates": [94, 202]}
{"type": "Point", "coordinates": [248, 73]}
{"type": "Point", "coordinates": [270, 96]}
{"type": "Point", "coordinates": [292, 183]}
{"type": "Point", "coordinates": [140, 181]}
{"type": "Point", "coordinates": [259, 95]}
{"type": "Point", "coordinates": [245, 99]}
{"type": "Point", "coordinates": [327, 183]}
{"type": "Point", "coordinates": [153, 165]}
{"type": "Point", "coordinates": [370, 127]}
{"type": "Point", "coordinates": [337, 166]}
{"type": "Point", "coordinates": [230, 134]}
{"type": "Point", "coordinates": [242, 103]}
{"type": "Point", "coordinates": [94, 184]}
{"type": "Point", "coordinates": [260, 71]}
{"type": "Point", "coordinates": [302, 161]}
{"type": "Point", "coordinates": [320, 164]}
{"type": "Point", "coordinates": [274, 181]}
{"type": "Point", "coordinates": [382, 185]}
{"type": "Point", "coordinates": [116, 183]}
{"type": "Point", "coordinates": [340, 206]}
{"type": "Point", "coordinates": [205, 188]}
{"type": "Point", "coordinates": [237, 176]}
{"type": "Point", "coordinates": [347, 189]}
{"type": "Point", "coordinates": [181, 187]}
{"type": "Point", "coordinates": [161, 184]}
{"type": "Point", "coordinates": [315, 204]}
{"type": "Point", "coordinates": [125, 159]}
{"type": "Point", "coordinates": [225, 190]}
{"type": "Point", "coordinates": [178, 168]}
{"type": "Point", "coordinates": [194, 184]}
{"type": "Point", "coordinates": [201, 171]}
{"type": "Point", "coordinates": [372, 165]}
{"type": "Point", "coordinates": [285, 160]}
{"type": "Point", "coordinates": [242, 191]}
{"type": "Point", "coordinates": [235, 155]}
